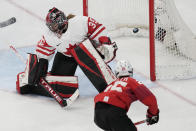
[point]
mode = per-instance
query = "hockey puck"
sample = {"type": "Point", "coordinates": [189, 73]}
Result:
{"type": "Point", "coordinates": [135, 30]}
{"type": "Point", "coordinates": [13, 19]}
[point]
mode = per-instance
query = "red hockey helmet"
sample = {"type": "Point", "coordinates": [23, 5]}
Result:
{"type": "Point", "coordinates": [56, 21]}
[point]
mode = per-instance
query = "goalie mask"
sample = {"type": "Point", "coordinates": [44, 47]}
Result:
{"type": "Point", "coordinates": [123, 68]}
{"type": "Point", "coordinates": [56, 21]}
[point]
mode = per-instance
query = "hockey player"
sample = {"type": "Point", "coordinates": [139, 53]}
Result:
{"type": "Point", "coordinates": [112, 104]}
{"type": "Point", "coordinates": [76, 40]}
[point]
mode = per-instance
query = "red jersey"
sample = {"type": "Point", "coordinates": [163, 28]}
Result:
{"type": "Point", "coordinates": [123, 91]}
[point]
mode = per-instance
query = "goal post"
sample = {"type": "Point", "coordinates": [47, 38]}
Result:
{"type": "Point", "coordinates": [85, 7]}
{"type": "Point", "coordinates": [172, 44]}
{"type": "Point", "coordinates": [152, 40]}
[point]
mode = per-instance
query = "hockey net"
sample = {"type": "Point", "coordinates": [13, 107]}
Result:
{"type": "Point", "coordinates": [172, 44]}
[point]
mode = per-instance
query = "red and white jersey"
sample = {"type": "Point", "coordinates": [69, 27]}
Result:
{"type": "Point", "coordinates": [124, 91]}
{"type": "Point", "coordinates": [79, 29]}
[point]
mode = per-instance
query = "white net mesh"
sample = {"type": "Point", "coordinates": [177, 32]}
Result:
{"type": "Point", "coordinates": [175, 45]}
{"type": "Point", "coordinates": [121, 16]}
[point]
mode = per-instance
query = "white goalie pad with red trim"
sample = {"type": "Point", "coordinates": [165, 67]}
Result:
{"type": "Point", "coordinates": [64, 85]}
{"type": "Point", "coordinates": [21, 81]}
{"type": "Point", "coordinates": [28, 76]}
{"type": "Point", "coordinates": [105, 70]}
{"type": "Point", "coordinates": [91, 63]}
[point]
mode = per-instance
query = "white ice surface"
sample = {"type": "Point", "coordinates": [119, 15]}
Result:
{"type": "Point", "coordinates": [176, 99]}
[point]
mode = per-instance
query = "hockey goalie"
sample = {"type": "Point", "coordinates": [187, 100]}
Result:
{"type": "Point", "coordinates": [74, 40]}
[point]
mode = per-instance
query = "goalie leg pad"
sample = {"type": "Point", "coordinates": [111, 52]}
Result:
{"type": "Point", "coordinates": [24, 83]}
{"type": "Point", "coordinates": [93, 65]}
{"type": "Point", "coordinates": [22, 86]}
{"type": "Point", "coordinates": [31, 69]}
{"type": "Point", "coordinates": [64, 85]}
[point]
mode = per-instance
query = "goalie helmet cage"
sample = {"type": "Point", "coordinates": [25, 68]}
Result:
{"type": "Point", "coordinates": [172, 44]}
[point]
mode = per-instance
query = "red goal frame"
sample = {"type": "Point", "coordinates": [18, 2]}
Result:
{"type": "Point", "coordinates": [151, 36]}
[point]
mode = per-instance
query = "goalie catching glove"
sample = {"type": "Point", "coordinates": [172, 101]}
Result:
{"type": "Point", "coordinates": [107, 49]}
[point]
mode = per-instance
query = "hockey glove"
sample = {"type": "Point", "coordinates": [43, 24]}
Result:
{"type": "Point", "coordinates": [42, 70]}
{"type": "Point", "coordinates": [152, 119]}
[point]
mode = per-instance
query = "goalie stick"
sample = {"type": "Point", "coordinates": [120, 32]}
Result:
{"type": "Point", "coordinates": [49, 89]}
{"type": "Point", "coordinates": [56, 96]}
{"type": "Point", "coordinates": [139, 122]}
{"type": "Point", "coordinates": [7, 22]}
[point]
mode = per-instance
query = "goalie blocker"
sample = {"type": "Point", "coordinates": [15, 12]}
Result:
{"type": "Point", "coordinates": [65, 86]}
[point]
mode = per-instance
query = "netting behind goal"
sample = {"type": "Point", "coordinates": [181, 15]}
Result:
{"type": "Point", "coordinates": [175, 45]}
{"type": "Point", "coordinates": [172, 44]}
{"type": "Point", "coordinates": [121, 16]}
